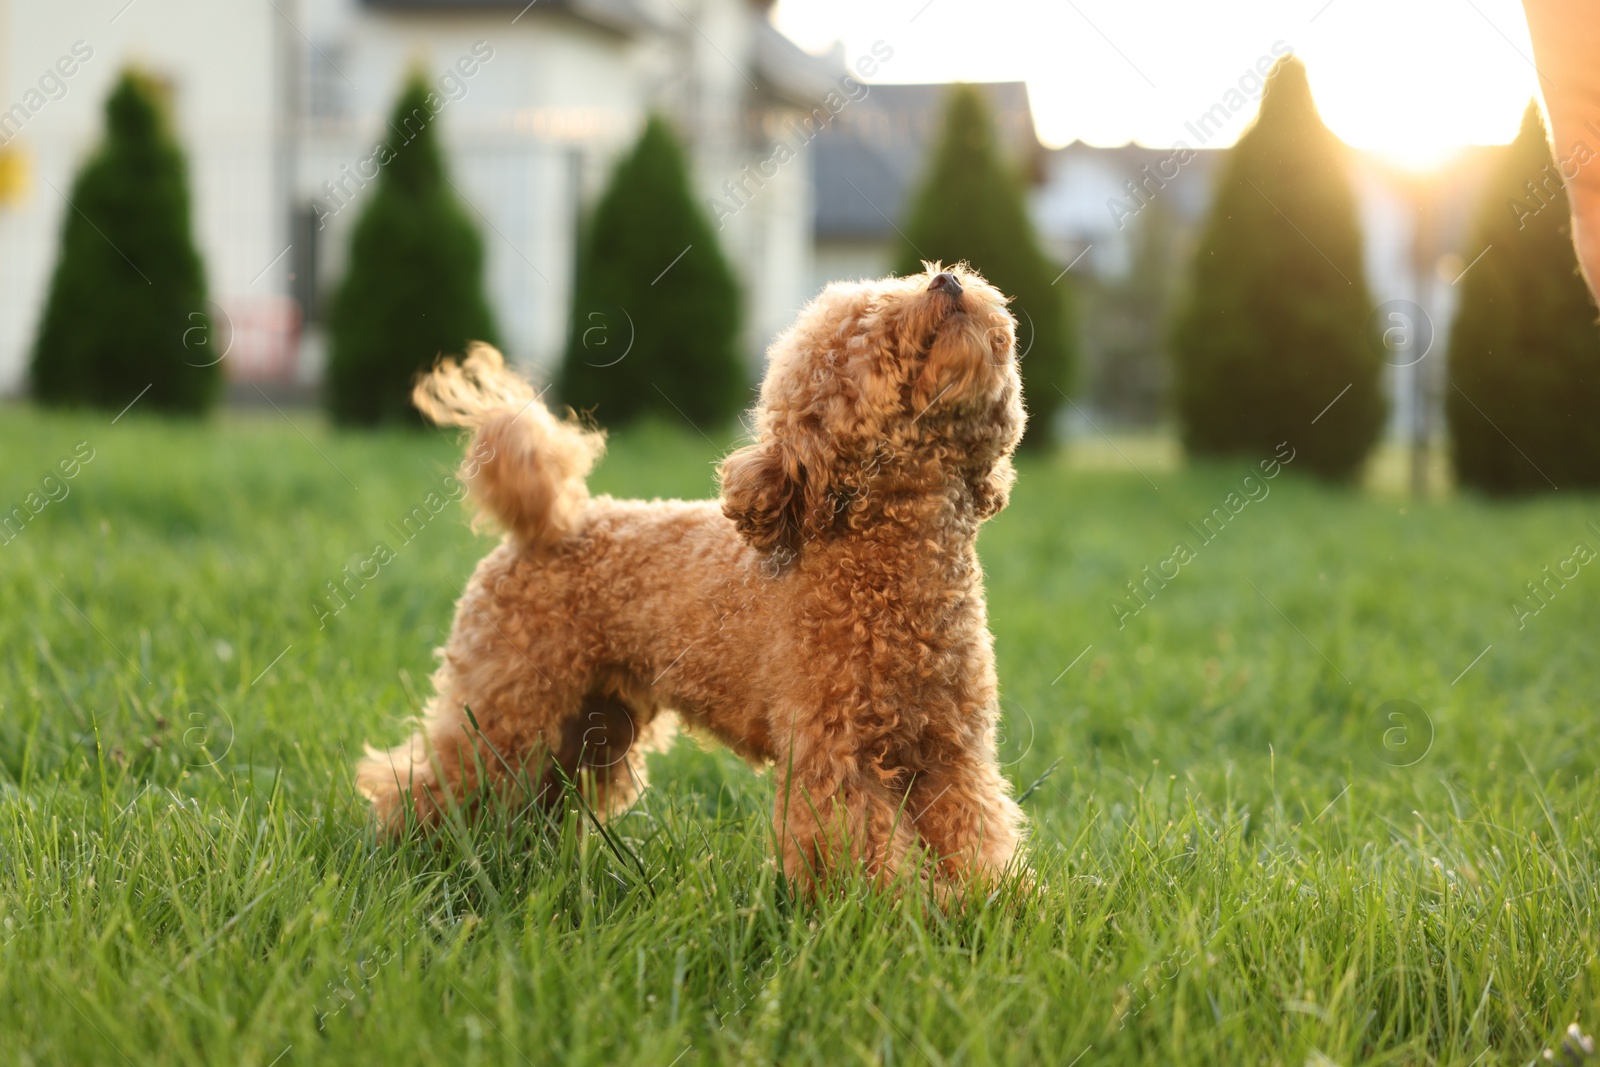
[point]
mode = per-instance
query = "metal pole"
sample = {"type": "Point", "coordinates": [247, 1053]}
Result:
{"type": "Point", "coordinates": [1422, 256]}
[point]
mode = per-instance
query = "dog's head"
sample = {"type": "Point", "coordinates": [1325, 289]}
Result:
{"type": "Point", "coordinates": [881, 390]}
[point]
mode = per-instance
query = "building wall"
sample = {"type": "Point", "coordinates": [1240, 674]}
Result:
{"type": "Point", "coordinates": [708, 82]}
{"type": "Point", "coordinates": [280, 102]}
{"type": "Point", "coordinates": [846, 258]}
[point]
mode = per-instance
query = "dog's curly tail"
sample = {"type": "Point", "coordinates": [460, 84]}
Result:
{"type": "Point", "coordinates": [525, 468]}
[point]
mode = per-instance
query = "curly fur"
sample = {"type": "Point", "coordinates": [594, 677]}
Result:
{"type": "Point", "coordinates": [825, 617]}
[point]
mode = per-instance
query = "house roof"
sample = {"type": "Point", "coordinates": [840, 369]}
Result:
{"type": "Point", "coordinates": [868, 160]}
{"type": "Point", "coordinates": [791, 73]}
{"type": "Point", "coordinates": [619, 16]}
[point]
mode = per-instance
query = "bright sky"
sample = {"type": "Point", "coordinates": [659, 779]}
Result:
{"type": "Point", "coordinates": [1414, 79]}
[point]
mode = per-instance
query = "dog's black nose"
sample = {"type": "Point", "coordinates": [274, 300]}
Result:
{"type": "Point", "coordinates": [946, 281]}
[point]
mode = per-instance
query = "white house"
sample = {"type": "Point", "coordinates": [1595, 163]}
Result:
{"type": "Point", "coordinates": [281, 105]}
{"type": "Point", "coordinates": [870, 160]}
{"type": "Point", "coordinates": [1096, 207]}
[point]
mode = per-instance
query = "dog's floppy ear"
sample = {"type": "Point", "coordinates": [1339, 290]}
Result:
{"type": "Point", "coordinates": [780, 494]}
{"type": "Point", "coordinates": [763, 492]}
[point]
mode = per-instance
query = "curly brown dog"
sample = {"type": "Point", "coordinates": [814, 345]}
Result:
{"type": "Point", "coordinates": [825, 617]}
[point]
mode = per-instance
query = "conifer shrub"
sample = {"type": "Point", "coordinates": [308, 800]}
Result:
{"type": "Point", "coordinates": [1273, 328]}
{"type": "Point", "coordinates": [656, 309]}
{"type": "Point", "coordinates": [125, 316]}
{"type": "Point", "coordinates": [1524, 350]}
{"type": "Point", "coordinates": [413, 290]}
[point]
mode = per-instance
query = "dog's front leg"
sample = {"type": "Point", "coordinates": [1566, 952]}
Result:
{"type": "Point", "coordinates": [964, 811]}
{"type": "Point", "coordinates": [833, 816]}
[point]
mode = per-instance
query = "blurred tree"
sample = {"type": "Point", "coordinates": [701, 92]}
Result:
{"type": "Point", "coordinates": [1273, 327]}
{"type": "Point", "coordinates": [970, 207]}
{"type": "Point", "coordinates": [1524, 349]}
{"type": "Point", "coordinates": [127, 304]}
{"type": "Point", "coordinates": [655, 309]}
{"type": "Point", "coordinates": [414, 288]}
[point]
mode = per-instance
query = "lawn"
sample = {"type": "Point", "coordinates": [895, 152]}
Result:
{"type": "Point", "coordinates": [1325, 796]}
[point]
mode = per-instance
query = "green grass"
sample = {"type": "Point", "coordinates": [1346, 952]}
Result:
{"type": "Point", "coordinates": [1232, 866]}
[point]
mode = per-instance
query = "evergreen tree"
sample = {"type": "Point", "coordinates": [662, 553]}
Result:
{"type": "Point", "coordinates": [1273, 327]}
{"type": "Point", "coordinates": [970, 206]}
{"type": "Point", "coordinates": [414, 287]}
{"type": "Point", "coordinates": [1524, 349]}
{"type": "Point", "coordinates": [126, 307]}
{"type": "Point", "coordinates": [655, 310]}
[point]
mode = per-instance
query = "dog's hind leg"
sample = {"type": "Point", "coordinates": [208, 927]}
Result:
{"type": "Point", "coordinates": [602, 748]}
{"type": "Point", "coordinates": [524, 741]}
{"type": "Point", "coordinates": [469, 738]}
